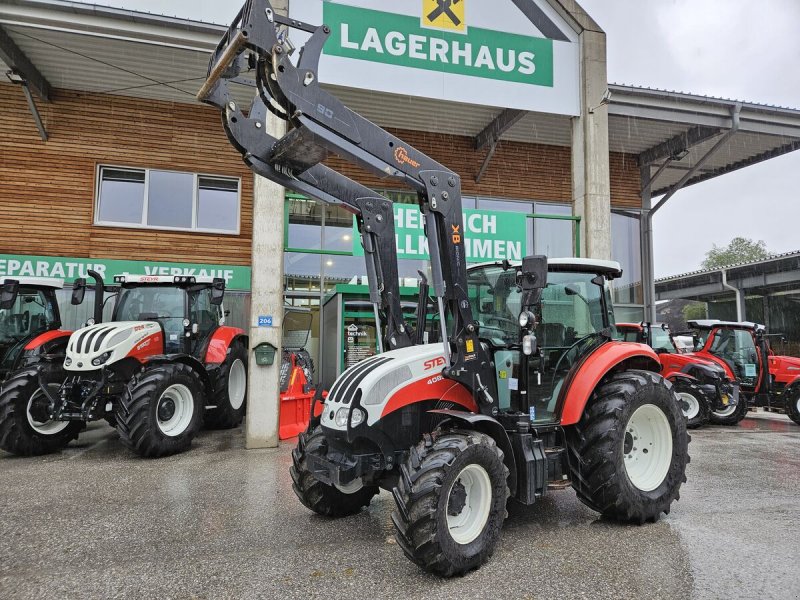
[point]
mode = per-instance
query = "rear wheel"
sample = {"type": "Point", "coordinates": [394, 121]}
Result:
{"type": "Point", "coordinates": [630, 449]}
{"type": "Point", "coordinates": [793, 404]}
{"type": "Point", "coordinates": [731, 414]}
{"type": "Point", "coordinates": [162, 410]}
{"type": "Point", "coordinates": [324, 499]}
{"type": "Point", "coordinates": [451, 502]}
{"type": "Point", "coordinates": [25, 428]}
{"type": "Point", "coordinates": [230, 391]}
{"type": "Point", "coordinates": [693, 403]}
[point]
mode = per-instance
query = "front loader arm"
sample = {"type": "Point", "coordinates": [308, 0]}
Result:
{"type": "Point", "coordinates": [321, 125]}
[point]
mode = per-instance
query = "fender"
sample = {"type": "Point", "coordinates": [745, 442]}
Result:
{"type": "Point", "coordinates": [492, 428]}
{"type": "Point", "coordinates": [596, 366]}
{"type": "Point", "coordinates": [672, 377]}
{"type": "Point", "coordinates": [186, 359]}
{"type": "Point", "coordinates": [792, 386]}
{"type": "Point", "coordinates": [220, 341]}
{"type": "Point", "coordinates": [431, 387]}
{"type": "Point", "coordinates": [45, 337]}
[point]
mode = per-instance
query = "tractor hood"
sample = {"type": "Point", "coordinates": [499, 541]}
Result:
{"type": "Point", "coordinates": [681, 362]}
{"type": "Point", "coordinates": [106, 343]}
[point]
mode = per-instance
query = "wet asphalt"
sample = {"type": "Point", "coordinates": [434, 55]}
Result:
{"type": "Point", "coordinates": [222, 522]}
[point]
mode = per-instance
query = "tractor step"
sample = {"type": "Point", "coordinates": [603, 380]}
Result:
{"type": "Point", "coordinates": [298, 151]}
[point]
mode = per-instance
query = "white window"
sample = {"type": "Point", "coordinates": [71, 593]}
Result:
{"type": "Point", "coordinates": [154, 199]}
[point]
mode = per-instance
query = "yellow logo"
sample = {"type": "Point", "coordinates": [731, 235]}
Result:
{"type": "Point", "coordinates": [444, 14]}
{"type": "Point", "coordinates": [470, 346]}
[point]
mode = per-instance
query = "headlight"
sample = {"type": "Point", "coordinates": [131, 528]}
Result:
{"type": "Point", "coordinates": [341, 417]}
{"type": "Point", "coordinates": [357, 418]}
{"type": "Point", "coordinates": [186, 322]}
{"type": "Point", "coordinates": [67, 361]}
{"type": "Point", "coordinates": [525, 318]}
{"type": "Point", "coordinates": [528, 345]}
{"type": "Point", "coordinates": [102, 359]}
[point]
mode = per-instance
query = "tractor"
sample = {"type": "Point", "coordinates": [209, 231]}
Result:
{"type": "Point", "coordinates": [526, 392]}
{"type": "Point", "coordinates": [30, 322]}
{"type": "Point", "coordinates": [702, 385]}
{"type": "Point", "coordinates": [163, 365]}
{"type": "Point", "coordinates": [742, 349]}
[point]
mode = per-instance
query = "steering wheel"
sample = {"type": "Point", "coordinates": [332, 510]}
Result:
{"type": "Point", "coordinates": [25, 320]}
{"type": "Point", "coordinates": [563, 356]}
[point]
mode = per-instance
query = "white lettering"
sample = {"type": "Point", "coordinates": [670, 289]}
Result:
{"type": "Point", "coordinates": [3, 262]}
{"type": "Point", "coordinates": [27, 269]}
{"type": "Point", "coordinates": [438, 50]}
{"type": "Point", "coordinates": [484, 58]}
{"type": "Point", "coordinates": [500, 249]}
{"type": "Point", "coordinates": [13, 265]}
{"type": "Point", "coordinates": [465, 53]}
{"type": "Point", "coordinates": [395, 43]}
{"type": "Point", "coordinates": [346, 43]}
{"type": "Point", "coordinates": [372, 41]}
{"type": "Point", "coordinates": [526, 60]}
{"type": "Point", "coordinates": [415, 46]}
{"type": "Point", "coordinates": [42, 269]}
{"type": "Point", "coordinates": [58, 270]}
{"type": "Point", "coordinates": [490, 224]}
{"type": "Point", "coordinates": [509, 66]}
{"type": "Point", "coordinates": [514, 251]}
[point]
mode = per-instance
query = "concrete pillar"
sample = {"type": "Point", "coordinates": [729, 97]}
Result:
{"type": "Point", "coordinates": [591, 181]}
{"type": "Point", "coordinates": [263, 402]}
{"type": "Point", "coordinates": [646, 244]}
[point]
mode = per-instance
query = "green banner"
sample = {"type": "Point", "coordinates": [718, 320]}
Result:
{"type": "Point", "coordinates": [488, 235]}
{"type": "Point", "coordinates": [68, 268]}
{"type": "Point", "coordinates": [401, 40]}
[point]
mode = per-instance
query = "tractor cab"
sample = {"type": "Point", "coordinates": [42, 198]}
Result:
{"type": "Point", "coordinates": [575, 319]}
{"type": "Point", "coordinates": [28, 313]}
{"type": "Point", "coordinates": [740, 348]}
{"type": "Point", "coordinates": [655, 335]}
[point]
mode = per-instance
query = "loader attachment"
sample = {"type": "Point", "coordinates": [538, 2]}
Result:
{"type": "Point", "coordinates": [256, 50]}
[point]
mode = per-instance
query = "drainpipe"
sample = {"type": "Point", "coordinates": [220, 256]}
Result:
{"type": "Point", "coordinates": [740, 316]}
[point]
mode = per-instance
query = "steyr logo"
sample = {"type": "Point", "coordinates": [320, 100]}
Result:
{"type": "Point", "coordinates": [434, 362]}
{"type": "Point", "coordinates": [444, 14]}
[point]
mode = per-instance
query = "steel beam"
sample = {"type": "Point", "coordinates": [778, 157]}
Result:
{"type": "Point", "coordinates": [680, 143]}
{"type": "Point", "coordinates": [15, 58]}
{"type": "Point", "coordinates": [492, 133]}
{"type": "Point", "coordinates": [35, 112]}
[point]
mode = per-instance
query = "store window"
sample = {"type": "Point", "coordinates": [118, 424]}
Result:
{"type": "Point", "coordinates": [150, 198]}
{"type": "Point", "coordinates": [626, 250]}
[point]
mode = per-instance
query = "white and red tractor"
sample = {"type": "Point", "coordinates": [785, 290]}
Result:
{"type": "Point", "coordinates": [165, 364]}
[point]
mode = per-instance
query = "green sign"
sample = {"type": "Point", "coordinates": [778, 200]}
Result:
{"type": "Point", "coordinates": [396, 39]}
{"type": "Point", "coordinates": [11, 265]}
{"type": "Point", "coordinates": [488, 235]}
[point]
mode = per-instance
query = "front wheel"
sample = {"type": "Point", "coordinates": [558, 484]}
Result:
{"type": "Point", "coordinates": [162, 410]}
{"type": "Point", "coordinates": [629, 451]}
{"type": "Point", "coordinates": [230, 390]}
{"type": "Point", "coordinates": [793, 404]}
{"type": "Point", "coordinates": [25, 428]}
{"type": "Point", "coordinates": [693, 403]}
{"type": "Point", "coordinates": [451, 502]}
{"type": "Point", "coordinates": [731, 414]}
{"type": "Point", "coordinates": [324, 499]}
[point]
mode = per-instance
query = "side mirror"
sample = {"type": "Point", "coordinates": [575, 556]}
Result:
{"type": "Point", "coordinates": [78, 291]}
{"type": "Point", "coordinates": [534, 272]}
{"type": "Point", "coordinates": [217, 291]}
{"type": "Point", "coordinates": [8, 293]}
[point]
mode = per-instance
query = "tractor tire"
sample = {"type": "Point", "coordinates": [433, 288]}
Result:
{"type": "Point", "coordinates": [21, 433]}
{"type": "Point", "coordinates": [730, 415]}
{"type": "Point", "coordinates": [610, 473]}
{"type": "Point", "coordinates": [793, 404]}
{"type": "Point", "coordinates": [451, 502]}
{"type": "Point", "coordinates": [693, 402]}
{"type": "Point", "coordinates": [323, 499]}
{"type": "Point", "coordinates": [162, 410]}
{"type": "Point", "coordinates": [230, 391]}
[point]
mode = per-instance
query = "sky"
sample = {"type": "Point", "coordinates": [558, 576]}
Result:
{"type": "Point", "coordinates": [736, 49]}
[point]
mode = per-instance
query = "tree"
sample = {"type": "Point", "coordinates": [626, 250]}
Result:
{"type": "Point", "coordinates": [694, 311]}
{"type": "Point", "coordinates": [739, 250]}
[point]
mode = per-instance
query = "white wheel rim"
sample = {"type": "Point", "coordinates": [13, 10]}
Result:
{"type": "Point", "coordinates": [647, 448]}
{"type": "Point", "coordinates": [727, 411]}
{"type": "Point", "coordinates": [237, 384]}
{"type": "Point", "coordinates": [689, 405]}
{"type": "Point", "coordinates": [352, 487]}
{"type": "Point", "coordinates": [48, 427]}
{"type": "Point", "coordinates": [468, 524]}
{"type": "Point", "coordinates": [797, 405]}
{"type": "Point", "coordinates": [183, 402]}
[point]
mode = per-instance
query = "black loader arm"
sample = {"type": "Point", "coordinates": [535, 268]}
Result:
{"type": "Point", "coordinates": [320, 125]}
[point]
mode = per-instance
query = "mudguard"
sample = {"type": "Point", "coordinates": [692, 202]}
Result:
{"type": "Point", "coordinates": [220, 341]}
{"type": "Point", "coordinates": [44, 338]}
{"type": "Point", "coordinates": [492, 428]}
{"type": "Point", "coordinates": [582, 383]}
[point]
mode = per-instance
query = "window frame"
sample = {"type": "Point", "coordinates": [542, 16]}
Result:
{"type": "Point", "coordinates": [196, 176]}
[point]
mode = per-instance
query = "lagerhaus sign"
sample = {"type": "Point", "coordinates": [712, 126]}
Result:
{"type": "Point", "coordinates": [468, 51]}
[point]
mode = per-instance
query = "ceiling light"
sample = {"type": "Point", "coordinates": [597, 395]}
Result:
{"type": "Point", "coordinates": [15, 76]}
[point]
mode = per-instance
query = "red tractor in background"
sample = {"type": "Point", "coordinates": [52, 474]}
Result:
{"type": "Point", "coordinates": [30, 322]}
{"type": "Point", "coordinates": [743, 351]}
{"type": "Point", "coordinates": [706, 392]}
{"type": "Point", "coordinates": [162, 366]}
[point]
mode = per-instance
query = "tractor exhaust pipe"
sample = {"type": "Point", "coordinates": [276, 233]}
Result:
{"type": "Point", "coordinates": [99, 288]}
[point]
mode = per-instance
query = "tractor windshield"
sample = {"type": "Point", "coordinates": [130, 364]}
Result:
{"type": "Point", "coordinates": [33, 312]}
{"type": "Point", "coordinates": [662, 341]}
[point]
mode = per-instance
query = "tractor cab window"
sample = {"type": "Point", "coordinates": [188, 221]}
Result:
{"type": "Point", "coordinates": [33, 312]}
{"type": "Point", "coordinates": [496, 302]}
{"type": "Point", "coordinates": [628, 335]}
{"type": "Point", "coordinates": [738, 349]}
{"type": "Point", "coordinates": [661, 341]}
{"type": "Point", "coordinates": [164, 304]}
{"type": "Point", "coordinates": [203, 313]}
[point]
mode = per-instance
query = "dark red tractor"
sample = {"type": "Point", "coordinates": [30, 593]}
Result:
{"type": "Point", "coordinates": [704, 389]}
{"type": "Point", "coordinates": [742, 349]}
